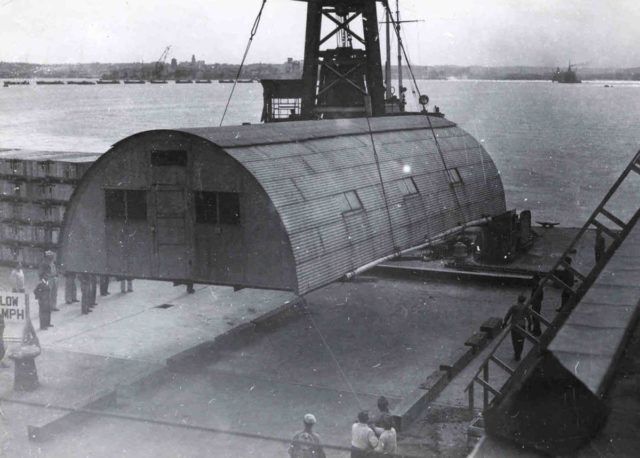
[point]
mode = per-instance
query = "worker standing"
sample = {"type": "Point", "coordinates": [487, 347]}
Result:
{"type": "Point", "coordinates": [104, 285]}
{"type": "Point", "coordinates": [520, 317]}
{"type": "Point", "coordinates": [363, 439]}
{"type": "Point", "coordinates": [600, 245]}
{"type": "Point", "coordinates": [42, 292]}
{"type": "Point", "coordinates": [49, 271]}
{"type": "Point", "coordinates": [567, 276]}
{"type": "Point", "coordinates": [536, 305]}
{"type": "Point", "coordinates": [124, 281]}
{"type": "Point", "coordinates": [93, 283]}
{"type": "Point", "coordinates": [70, 288]}
{"type": "Point", "coordinates": [306, 443]}
{"type": "Point", "coordinates": [16, 278]}
{"type": "Point", "coordinates": [85, 293]}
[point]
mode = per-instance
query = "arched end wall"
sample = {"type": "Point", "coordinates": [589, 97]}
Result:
{"type": "Point", "coordinates": [189, 229]}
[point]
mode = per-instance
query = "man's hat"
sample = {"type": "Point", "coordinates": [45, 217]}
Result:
{"type": "Point", "coordinates": [309, 419]}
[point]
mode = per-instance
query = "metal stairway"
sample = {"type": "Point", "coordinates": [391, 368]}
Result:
{"type": "Point", "coordinates": [617, 230]}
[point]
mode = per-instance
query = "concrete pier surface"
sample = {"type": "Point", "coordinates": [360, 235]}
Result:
{"type": "Point", "coordinates": [245, 366]}
{"type": "Point", "coordinates": [332, 356]}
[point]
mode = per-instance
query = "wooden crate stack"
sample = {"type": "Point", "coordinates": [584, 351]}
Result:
{"type": "Point", "coordinates": [35, 187]}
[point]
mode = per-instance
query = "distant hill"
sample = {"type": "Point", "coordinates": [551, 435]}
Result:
{"type": "Point", "coordinates": [291, 69]}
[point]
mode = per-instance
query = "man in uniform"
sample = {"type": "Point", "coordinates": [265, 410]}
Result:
{"type": "Point", "coordinates": [49, 272]}
{"type": "Point", "coordinates": [520, 316]}
{"type": "Point", "coordinates": [85, 293]}
{"type": "Point", "coordinates": [93, 283]}
{"type": "Point", "coordinates": [567, 276]}
{"type": "Point", "coordinates": [306, 443]}
{"type": "Point", "coordinates": [104, 285]}
{"type": "Point", "coordinates": [536, 306]}
{"type": "Point", "coordinates": [70, 288]}
{"type": "Point", "coordinates": [42, 292]}
{"type": "Point", "coordinates": [600, 245]}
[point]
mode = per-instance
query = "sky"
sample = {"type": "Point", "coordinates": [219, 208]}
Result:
{"type": "Point", "coordinates": [600, 33]}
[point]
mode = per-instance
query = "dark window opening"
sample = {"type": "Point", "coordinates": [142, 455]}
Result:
{"type": "Point", "coordinates": [229, 203]}
{"type": "Point", "coordinates": [353, 201]}
{"type": "Point", "coordinates": [168, 158]}
{"type": "Point", "coordinates": [114, 204]}
{"type": "Point", "coordinates": [408, 186]}
{"type": "Point", "coordinates": [136, 204]}
{"type": "Point", "coordinates": [206, 207]}
{"type": "Point", "coordinates": [454, 176]}
{"type": "Point", "coordinates": [125, 204]}
{"type": "Point", "coordinates": [217, 207]}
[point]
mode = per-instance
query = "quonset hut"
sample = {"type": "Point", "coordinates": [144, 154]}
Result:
{"type": "Point", "coordinates": [293, 205]}
{"type": "Point", "coordinates": [338, 177]}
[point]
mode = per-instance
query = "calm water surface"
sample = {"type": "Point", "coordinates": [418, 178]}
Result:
{"type": "Point", "coordinates": [558, 147]}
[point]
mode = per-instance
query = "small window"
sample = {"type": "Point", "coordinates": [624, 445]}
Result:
{"type": "Point", "coordinates": [353, 201]}
{"type": "Point", "coordinates": [169, 158]}
{"type": "Point", "coordinates": [217, 207]}
{"type": "Point", "coordinates": [125, 204]}
{"type": "Point", "coordinates": [206, 207]}
{"type": "Point", "coordinates": [229, 204]}
{"type": "Point", "coordinates": [407, 186]}
{"type": "Point", "coordinates": [114, 204]}
{"type": "Point", "coordinates": [136, 204]}
{"type": "Point", "coordinates": [454, 176]}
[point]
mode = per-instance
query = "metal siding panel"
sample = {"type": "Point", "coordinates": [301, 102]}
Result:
{"type": "Point", "coordinates": [283, 192]}
{"type": "Point", "coordinates": [306, 245]}
{"type": "Point", "coordinates": [325, 184]}
{"type": "Point", "coordinates": [276, 169]}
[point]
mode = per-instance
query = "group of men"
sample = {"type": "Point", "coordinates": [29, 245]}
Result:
{"type": "Point", "coordinates": [521, 316]}
{"type": "Point", "coordinates": [369, 438]}
{"type": "Point", "coordinates": [46, 291]}
{"type": "Point", "coordinates": [88, 289]}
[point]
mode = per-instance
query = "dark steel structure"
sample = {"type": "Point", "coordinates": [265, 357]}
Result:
{"type": "Point", "coordinates": [341, 82]}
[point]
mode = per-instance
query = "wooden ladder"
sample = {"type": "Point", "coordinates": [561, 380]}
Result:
{"type": "Point", "coordinates": [601, 219]}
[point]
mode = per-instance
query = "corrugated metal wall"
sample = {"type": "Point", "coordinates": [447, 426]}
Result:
{"type": "Point", "coordinates": [307, 180]}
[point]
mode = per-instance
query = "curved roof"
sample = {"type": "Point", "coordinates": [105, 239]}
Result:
{"type": "Point", "coordinates": [311, 171]}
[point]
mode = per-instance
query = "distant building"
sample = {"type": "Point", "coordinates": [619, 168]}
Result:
{"type": "Point", "coordinates": [292, 66]}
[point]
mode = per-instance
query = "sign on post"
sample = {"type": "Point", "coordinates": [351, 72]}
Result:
{"type": "Point", "coordinates": [14, 308]}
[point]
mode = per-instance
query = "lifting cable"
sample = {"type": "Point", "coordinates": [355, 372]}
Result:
{"type": "Point", "coordinates": [426, 115]}
{"type": "Point", "coordinates": [384, 192]}
{"type": "Point", "coordinates": [254, 30]}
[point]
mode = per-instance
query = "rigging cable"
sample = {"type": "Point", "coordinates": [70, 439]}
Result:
{"type": "Point", "coordinates": [254, 30]}
{"type": "Point", "coordinates": [384, 192]}
{"type": "Point", "coordinates": [415, 84]}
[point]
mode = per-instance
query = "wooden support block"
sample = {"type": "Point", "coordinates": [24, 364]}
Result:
{"type": "Point", "coordinates": [491, 327]}
{"type": "Point", "coordinates": [459, 360]}
{"type": "Point", "coordinates": [477, 341]}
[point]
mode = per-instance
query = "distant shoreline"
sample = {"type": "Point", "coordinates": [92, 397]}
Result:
{"type": "Point", "coordinates": [292, 70]}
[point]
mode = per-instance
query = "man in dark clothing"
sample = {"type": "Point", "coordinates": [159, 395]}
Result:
{"type": "Point", "coordinates": [42, 293]}
{"type": "Point", "coordinates": [536, 306]}
{"type": "Point", "coordinates": [104, 285]}
{"type": "Point", "coordinates": [306, 443]}
{"type": "Point", "coordinates": [93, 283]}
{"type": "Point", "coordinates": [48, 270]}
{"type": "Point", "coordinates": [568, 278]}
{"type": "Point", "coordinates": [383, 407]}
{"type": "Point", "coordinates": [520, 317]}
{"type": "Point", "coordinates": [85, 293]}
{"type": "Point", "coordinates": [600, 245]}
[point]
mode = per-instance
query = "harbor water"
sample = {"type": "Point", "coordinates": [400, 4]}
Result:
{"type": "Point", "coordinates": [558, 147]}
